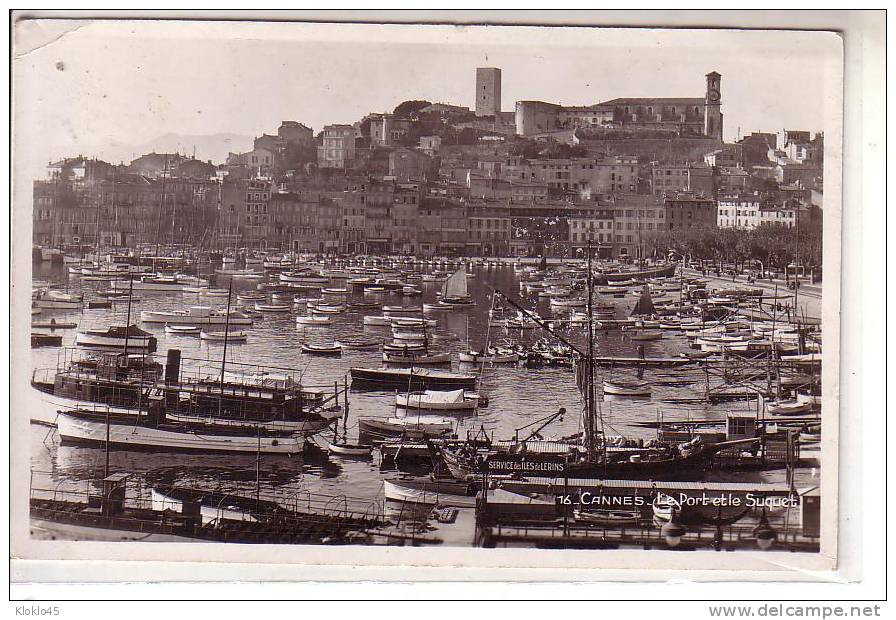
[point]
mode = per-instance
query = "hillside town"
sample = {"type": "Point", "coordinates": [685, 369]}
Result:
{"type": "Point", "coordinates": [636, 177]}
{"type": "Point", "coordinates": [382, 323]}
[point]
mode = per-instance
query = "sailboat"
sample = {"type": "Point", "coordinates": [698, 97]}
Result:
{"type": "Point", "coordinates": [454, 291]}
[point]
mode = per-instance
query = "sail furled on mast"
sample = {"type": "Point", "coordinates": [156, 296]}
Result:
{"type": "Point", "coordinates": [645, 304]}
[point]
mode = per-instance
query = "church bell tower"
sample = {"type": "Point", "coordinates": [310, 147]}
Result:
{"type": "Point", "coordinates": [712, 125]}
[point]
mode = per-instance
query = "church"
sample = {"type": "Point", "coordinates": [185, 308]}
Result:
{"type": "Point", "coordinates": [684, 117]}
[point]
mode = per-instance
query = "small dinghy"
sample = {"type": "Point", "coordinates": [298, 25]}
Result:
{"type": "Point", "coordinates": [439, 400]}
{"type": "Point", "coordinates": [416, 358]}
{"type": "Point", "coordinates": [792, 407]}
{"type": "Point", "coordinates": [222, 336]}
{"type": "Point", "coordinates": [402, 347]}
{"type": "Point", "coordinates": [349, 449]}
{"type": "Point", "coordinates": [314, 320]}
{"type": "Point", "coordinates": [182, 330]}
{"type": "Point", "coordinates": [626, 388]}
{"type": "Point", "coordinates": [377, 321]}
{"type": "Point", "coordinates": [330, 348]}
{"type": "Point", "coordinates": [273, 307]}
{"type": "Point", "coordinates": [216, 292]}
{"type": "Point", "coordinates": [360, 344]}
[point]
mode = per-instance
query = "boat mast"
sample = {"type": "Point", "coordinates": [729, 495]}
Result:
{"type": "Point", "coordinates": [226, 338]}
{"type": "Point", "coordinates": [159, 219]}
{"type": "Point", "coordinates": [127, 323]}
{"type": "Point", "coordinates": [96, 250]}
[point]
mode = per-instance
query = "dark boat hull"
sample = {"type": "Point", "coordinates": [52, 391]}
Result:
{"type": "Point", "coordinates": [373, 379]}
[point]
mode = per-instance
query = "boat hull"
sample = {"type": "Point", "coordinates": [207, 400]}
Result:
{"type": "Point", "coordinates": [82, 431]}
{"type": "Point", "coordinates": [430, 493]}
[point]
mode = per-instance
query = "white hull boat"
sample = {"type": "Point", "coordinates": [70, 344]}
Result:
{"type": "Point", "coordinates": [416, 358]}
{"type": "Point", "coordinates": [492, 357]}
{"type": "Point", "coordinates": [197, 315]}
{"type": "Point", "coordinates": [314, 320]}
{"type": "Point", "coordinates": [134, 339]}
{"type": "Point", "coordinates": [627, 388]}
{"type": "Point", "coordinates": [435, 400]}
{"type": "Point", "coordinates": [348, 449]}
{"type": "Point", "coordinates": [79, 429]}
{"type": "Point", "coordinates": [222, 336]}
{"type": "Point", "coordinates": [400, 493]}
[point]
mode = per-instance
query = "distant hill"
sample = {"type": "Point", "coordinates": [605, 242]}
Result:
{"type": "Point", "coordinates": [214, 147]}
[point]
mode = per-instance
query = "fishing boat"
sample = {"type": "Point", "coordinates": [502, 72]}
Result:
{"type": "Point", "coordinates": [314, 320]}
{"type": "Point", "coordinates": [454, 291]}
{"type": "Point", "coordinates": [428, 492]}
{"type": "Point", "coordinates": [498, 355]}
{"type": "Point", "coordinates": [404, 347]}
{"type": "Point", "coordinates": [182, 330]}
{"type": "Point", "coordinates": [785, 408]}
{"type": "Point", "coordinates": [618, 387]}
{"type": "Point", "coordinates": [407, 334]}
{"type": "Point", "coordinates": [416, 358]}
{"type": "Point", "coordinates": [250, 296]}
{"type": "Point", "coordinates": [327, 308]}
{"type": "Point", "coordinates": [241, 274]}
{"type": "Point", "coordinates": [229, 336]}
{"type": "Point", "coordinates": [412, 322]}
{"type": "Point", "coordinates": [331, 348]}
{"type": "Point", "coordinates": [349, 449]}
{"type": "Point", "coordinates": [304, 277]}
{"type": "Point", "coordinates": [436, 400]}
{"type": "Point", "coordinates": [196, 315]}
{"type": "Point", "coordinates": [413, 378]}
{"type": "Point", "coordinates": [273, 307]}
{"type": "Point", "coordinates": [57, 300]}
{"type": "Point", "coordinates": [360, 343]}
{"type": "Point", "coordinates": [158, 282]}
{"type": "Point", "coordinates": [410, 427]}
{"type": "Point", "coordinates": [117, 337]}
{"type": "Point", "coordinates": [377, 321]}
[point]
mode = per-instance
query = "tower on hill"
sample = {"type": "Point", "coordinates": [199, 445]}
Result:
{"type": "Point", "coordinates": [713, 106]}
{"type": "Point", "coordinates": [488, 91]}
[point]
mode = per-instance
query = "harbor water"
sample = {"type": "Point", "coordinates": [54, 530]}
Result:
{"type": "Point", "coordinates": [517, 396]}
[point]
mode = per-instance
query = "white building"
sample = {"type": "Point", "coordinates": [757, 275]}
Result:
{"type": "Point", "coordinates": [748, 212]}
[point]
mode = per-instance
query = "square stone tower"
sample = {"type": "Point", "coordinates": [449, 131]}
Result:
{"type": "Point", "coordinates": [488, 91]}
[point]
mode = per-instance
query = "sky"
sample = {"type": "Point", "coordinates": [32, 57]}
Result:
{"type": "Point", "coordinates": [89, 87]}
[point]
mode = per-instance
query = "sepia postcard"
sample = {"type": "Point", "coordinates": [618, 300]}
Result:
{"type": "Point", "coordinates": [426, 295]}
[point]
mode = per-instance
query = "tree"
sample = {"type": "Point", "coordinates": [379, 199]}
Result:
{"type": "Point", "coordinates": [406, 109]}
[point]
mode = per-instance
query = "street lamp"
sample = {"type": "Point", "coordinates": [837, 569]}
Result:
{"type": "Point", "coordinates": [764, 533]}
{"type": "Point", "coordinates": [673, 532]}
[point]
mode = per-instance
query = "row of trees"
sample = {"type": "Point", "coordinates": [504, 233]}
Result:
{"type": "Point", "coordinates": [773, 245]}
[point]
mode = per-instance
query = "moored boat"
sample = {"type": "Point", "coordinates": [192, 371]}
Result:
{"type": "Point", "coordinates": [413, 378]}
{"type": "Point", "coordinates": [619, 387]}
{"type": "Point", "coordinates": [117, 337]}
{"type": "Point", "coordinates": [195, 315]}
{"type": "Point", "coordinates": [215, 336]}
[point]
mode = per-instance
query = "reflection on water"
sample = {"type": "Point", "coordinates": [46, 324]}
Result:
{"type": "Point", "coordinates": [517, 396]}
